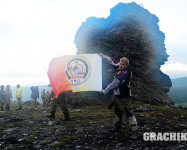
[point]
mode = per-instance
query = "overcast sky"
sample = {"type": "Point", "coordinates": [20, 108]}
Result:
{"type": "Point", "coordinates": [32, 32]}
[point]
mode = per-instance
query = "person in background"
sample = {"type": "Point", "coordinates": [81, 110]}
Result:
{"type": "Point", "coordinates": [47, 97]}
{"type": "Point", "coordinates": [8, 93]}
{"type": "Point", "coordinates": [19, 97]}
{"type": "Point", "coordinates": [34, 95]}
{"type": "Point", "coordinates": [60, 100]}
{"type": "Point", "coordinates": [43, 96]}
{"type": "Point", "coordinates": [2, 97]}
{"type": "Point", "coordinates": [121, 100]}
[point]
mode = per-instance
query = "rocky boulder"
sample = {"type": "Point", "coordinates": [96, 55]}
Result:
{"type": "Point", "coordinates": [131, 31]}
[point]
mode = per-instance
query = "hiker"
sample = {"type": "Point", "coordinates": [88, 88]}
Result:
{"type": "Point", "coordinates": [121, 99]}
{"type": "Point", "coordinates": [2, 97]}
{"type": "Point", "coordinates": [47, 98]}
{"type": "Point", "coordinates": [19, 97]}
{"type": "Point", "coordinates": [8, 93]}
{"type": "Point", "coordinates": [43, 98]}
{"type": "Point", "coordinates": [60, 100]}
{"type": "Point", "coordinates": [34, 95]}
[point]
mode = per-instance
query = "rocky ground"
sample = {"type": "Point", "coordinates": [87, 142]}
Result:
{"type": "Point", "coordinates": [31, 129]}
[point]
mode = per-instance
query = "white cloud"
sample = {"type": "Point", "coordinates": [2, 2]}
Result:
{"type": "Point", "coordinates": [174, 69]}
{"type": "Point", "coordinates": [39, 32]}
{"type": "Point", "coordinates": [174, 66]}
{"type": "Point", "coordinates": [34, 32]}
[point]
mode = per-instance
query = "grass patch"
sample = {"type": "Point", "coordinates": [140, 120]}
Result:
{"type": "Point", "coordinates": [68, 146]}
{"type": "Point", "coordinates": [69, 139]}
{"type": "Point", "coordinates": [30, 139]}
{"type": "Point", "coordinates": [2, 132]}
{"type": "Point", "coordinates": [14, 105]}
{"type": "Point", "coordinates": [38, 132]}
{"type": "Point", "coordinates": [10, 148]}
{"type": "Point", "coordinates": [57, 144]}
{"type": "Point", "coordinates": [29, 146]}
{"type": "Point", "coordinates": [65, 142]}
{"type": "Point", "coordinates": [173, 123]}
{"type": "Point", "coordinates": [46, 142]}
{"type": "Point", "coordinates": [148, 118]}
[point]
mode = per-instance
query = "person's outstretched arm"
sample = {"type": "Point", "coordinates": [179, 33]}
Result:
{"type": "Point", "coordinates": [109, 60]}
{"type": "Point", "coordinates": [114, 84]}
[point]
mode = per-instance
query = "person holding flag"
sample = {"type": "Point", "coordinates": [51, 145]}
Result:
{"type": "Point", "coordinates": [121, 100]}
{"type": "Point", "coordinates": [73, 73]}
{"type": "Point", "coordinates": [61, 101]}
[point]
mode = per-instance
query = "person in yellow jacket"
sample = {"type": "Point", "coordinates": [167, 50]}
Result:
{"type": "Point", "coordinates": [19, 96]}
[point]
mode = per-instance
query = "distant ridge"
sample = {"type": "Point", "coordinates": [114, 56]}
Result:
{"type": "Point", "coordinates": [179, 81]}
{"type": "Point", "coordinates": [178, 91]}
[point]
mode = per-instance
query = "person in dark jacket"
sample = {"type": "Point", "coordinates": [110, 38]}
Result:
{"type": "Point", "coordinates": [43, 97]}
{"type": "Point", "coordinates": [121, 99]}
{"type": "Point", "coordinates": [48, 99]}
{"type": "Point", "coordinates": [2, 97]}
{"type": "Point", "coordinates": [8, 93]}
{"type": "Point", "coordinates": [34, 95]}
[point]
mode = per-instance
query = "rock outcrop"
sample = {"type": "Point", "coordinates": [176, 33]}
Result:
{"type": "Point", "coordinates": [130, 31]}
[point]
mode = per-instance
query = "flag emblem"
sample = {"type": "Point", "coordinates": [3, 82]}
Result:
{"type": "Point", "coordinates": [76, 73]}
{"type": "Point", "coordinates": [77, 70]}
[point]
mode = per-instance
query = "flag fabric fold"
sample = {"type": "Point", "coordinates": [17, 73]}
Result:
{"type": "Point", "coordinates": [76, 73]}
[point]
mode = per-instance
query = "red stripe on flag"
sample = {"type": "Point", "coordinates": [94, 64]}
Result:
{"type": "Point", "coordinates": [57, 76]}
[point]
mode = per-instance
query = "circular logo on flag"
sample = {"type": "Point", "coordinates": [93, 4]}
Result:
{"type": "Point", "coordinates": [77, 70]}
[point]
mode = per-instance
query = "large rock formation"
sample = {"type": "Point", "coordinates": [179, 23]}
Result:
{"type": "Point", "coordinates": [130, 31]}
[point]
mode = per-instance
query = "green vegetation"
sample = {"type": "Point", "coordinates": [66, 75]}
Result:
{"type": "Point", "coordinates": [29, 146]}
{"type": "Point", "coordinates": [57, 144]}
{"type": "Point", "coordinates": [69, 139]}
{"type": "Point", "coordinates": [10, 148]}
{"type": "Point", "coordinates": [65, 142]}
{"type": "Point", "coordinates": [30, 139]}
{"type": "Point", "coordinates": [34, 129]}
{"type": "Point", "coordinates": [2, 131]}
{"type": "Point", "coordinates": [14, 105]}
{"type": "Point", "coordinates": [44, 142]}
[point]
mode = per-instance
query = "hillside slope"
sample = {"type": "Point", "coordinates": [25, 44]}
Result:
{"type": "Point", "coordinates": [178, 91]}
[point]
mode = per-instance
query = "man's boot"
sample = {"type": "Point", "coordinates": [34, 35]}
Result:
{"type": "Point", "coordinates": [52, 116]}
{"type": "Point", "coordinates": [117, 127]}
{"type": "Point", "coordinates": [20, 108]}
{"type": "Point", "coordinates": [133, 124]}
{"type": "Point", "coordinates": [66, 115]}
